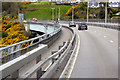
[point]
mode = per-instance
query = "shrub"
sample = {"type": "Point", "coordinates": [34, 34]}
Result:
{"type": "Point", "coordinates": [32, 9]}
{"type": "Point", "coordinates": [4, 34]}
{"type": "Point", "coordinates": [25, 2]}
{"type": "Point", "coordinates": [8, 26]}
{"type": "Point", "coordinates": [14, 36]}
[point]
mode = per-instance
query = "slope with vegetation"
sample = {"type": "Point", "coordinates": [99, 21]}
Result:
{"type": "Point", "coordinates": [44, 12]}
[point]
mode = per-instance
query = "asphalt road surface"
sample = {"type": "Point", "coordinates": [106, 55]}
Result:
{"type": "Point", "coordinates": [97, 53]}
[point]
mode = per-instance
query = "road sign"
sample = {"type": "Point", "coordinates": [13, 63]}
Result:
{"type": "Point", "coordinates": [21, 16]}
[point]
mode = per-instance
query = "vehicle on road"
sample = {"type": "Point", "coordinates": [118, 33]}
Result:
{"type": "Point", "coordinates": [72, 23]}
{"type": "Point", "coordinates": [82, 26]}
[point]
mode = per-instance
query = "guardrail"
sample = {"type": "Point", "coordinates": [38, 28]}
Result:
{"type": "Point", "coordinates": [66, 50]}
{"type": "Point", "coordinates": [115, 26]}
{"type": "Point", "coordinates": [12, 51]}
{"type": "Point", "coordinates": [105, 25]}
{"type": "Point", "coordinates": [56, 62]}
{"type": "Point", "coordinates": [12, 67]}
{"type": "Point", "coordinates": [96, 20]}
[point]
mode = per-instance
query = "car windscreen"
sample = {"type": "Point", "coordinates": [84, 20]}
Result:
{"type": "Point", "coordinates": [83, 23]}
{"type": "Point", "coordinates": [72, 22]}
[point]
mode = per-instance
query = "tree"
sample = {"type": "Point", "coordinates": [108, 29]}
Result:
{"type": "Point", "coordinates": [10, 8]}
{"type": "Point", "coordinates": [102, 13]}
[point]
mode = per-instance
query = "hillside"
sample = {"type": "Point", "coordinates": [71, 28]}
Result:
{"type": "Point", "coordinates": [44, 12]}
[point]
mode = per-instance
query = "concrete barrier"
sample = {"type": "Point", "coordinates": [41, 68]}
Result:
{"type": "Point", "coordinates": [14, 65]}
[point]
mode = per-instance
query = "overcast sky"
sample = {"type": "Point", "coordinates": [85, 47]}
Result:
{"type": "Point", "coordinates": [114, 0]}
{"type": "Point", "coordinates": [102, 0]}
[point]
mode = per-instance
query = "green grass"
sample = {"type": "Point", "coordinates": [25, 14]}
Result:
{"type": "Point", "coordinates": [44, 12]}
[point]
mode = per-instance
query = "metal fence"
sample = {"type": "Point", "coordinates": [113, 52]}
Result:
{"type": "Point", "coordinates": [15, 50]}
{"type": "Point", "coordinates": [96, 20]}
{"type": "Point", "coordinates": [105, 25]}
{"type": "Point", "coordinates": [115, 26]}
{"type": "Point", "coordinates": [57, 60]}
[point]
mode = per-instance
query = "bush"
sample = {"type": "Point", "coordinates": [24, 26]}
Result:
{"type": "Point", "coordinates": [4, 34]}
{"type": "Point", "coordinates": [8, 26]}
{"type": "Point", "coordinates": [32, 9]}
{"type": "Point", "coordinates": [31, 36]}
{"type": "Point", "coordinates": [25, 3]}
{"type": "Point", "coordinates": [14, 36]}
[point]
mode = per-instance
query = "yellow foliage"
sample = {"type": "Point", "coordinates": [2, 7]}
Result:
{"type": "Point", "coordinates": [15, 32]}
{"type": "Point", "coordinates": [25, 2]}
{"type": "Point", "coordinates": [116, 17]}
{"type": "Point", "coordinates": [69, 10]}
{"type": "Point", "coordinates": [77, 13]}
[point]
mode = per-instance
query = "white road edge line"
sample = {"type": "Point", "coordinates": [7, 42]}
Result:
{"type": "Point", "coordinates": [111, 41]}
{"type": "Point", "coordinates": [105, 36]}
{"type": "Point", "coordinates": [75, 57]}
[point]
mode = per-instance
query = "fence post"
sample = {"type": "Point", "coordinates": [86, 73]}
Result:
{"type": "Point", "coordinates": [15, 74]}
{"type": "Point", "coordinates": [39, 72]}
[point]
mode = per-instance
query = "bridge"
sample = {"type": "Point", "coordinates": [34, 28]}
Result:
{"type": "Point", "coordinates": [64, 53]}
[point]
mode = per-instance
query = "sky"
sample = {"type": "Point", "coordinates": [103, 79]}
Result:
{"type": "Point", "coordinates": [109, 0]}
{"type": "Point", "coordinates": [112, 5]}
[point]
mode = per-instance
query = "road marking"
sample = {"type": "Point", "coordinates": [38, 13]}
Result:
{"type": "Point", "coordinates": [105, 36]}
{"type": "Point", "coordinates": [111, 41]}
{"type": "Point", "coordinates": [75, 57]}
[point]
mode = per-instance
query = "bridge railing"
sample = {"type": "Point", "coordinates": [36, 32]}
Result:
{"type": "Point", "coordinates": [115, 26]}
{"type": "Point", "coordinates": [96, 20]}
{"type": "Point", "coordinates": [12, 68]}
{"type": "Point", "coordinates": [65, 52]}
{"type": "Point", "coordinates": [105, 25]}
{"type": "Point", "coordinates": [10, 52]}
{"type": "Point", "coordinates": [61, 55]}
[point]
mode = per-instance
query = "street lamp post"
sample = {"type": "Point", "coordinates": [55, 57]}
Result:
{"type": "Point", "coordinates": [52, 13]}
{"type": "Point", "coordinates": [59, 13]}
{"type": "Point", "coordinates": [72, 11]}
{"type": "Point", "coordinates": [106, 13]}
{"type": "Point", "coordinates": [72, 14]}
{"type": "Point", "coordinates": [56, 14]}
{"type": "Point", "coordinates": [87, 11]}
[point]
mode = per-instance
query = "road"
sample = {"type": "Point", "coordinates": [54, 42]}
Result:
{"type": "Point", "coordinates": [97, 53]}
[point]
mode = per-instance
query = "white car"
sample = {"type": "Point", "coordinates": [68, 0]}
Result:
{"type": "Point", "coordinates": [72, 23]}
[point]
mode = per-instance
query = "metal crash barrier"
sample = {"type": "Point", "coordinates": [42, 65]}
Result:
{"type": "Point", "coordinates": [13, 51]}
{"type": "Point", "coordinates": [56, 60]}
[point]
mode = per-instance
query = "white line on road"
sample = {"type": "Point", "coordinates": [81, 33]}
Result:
{"type": "Point", "coordinates": [111, 41]}
{"type": "Point", "coordinates": [105, 36]}
{"type": "Point", "coordinates": [75, 57]}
